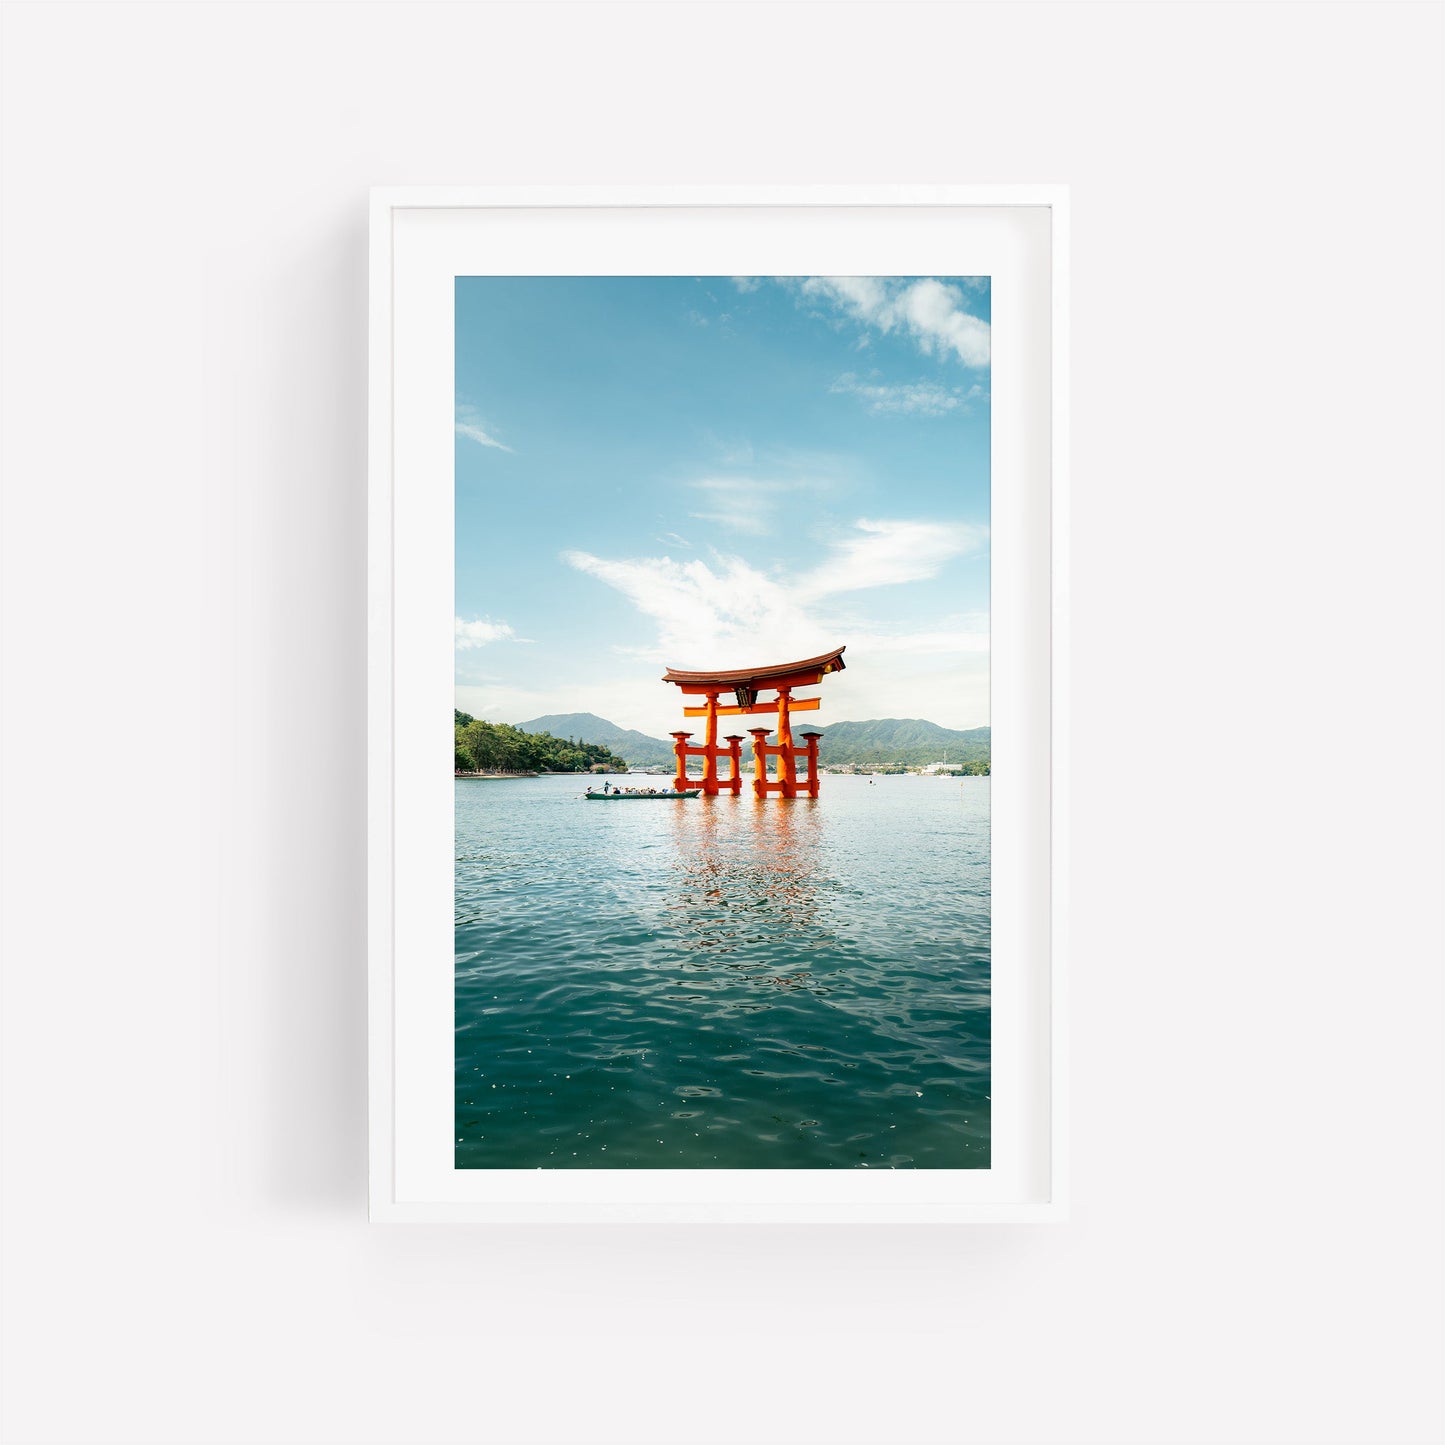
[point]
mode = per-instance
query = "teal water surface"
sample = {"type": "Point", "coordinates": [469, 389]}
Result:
{"type": "Point", "coordinates": [723, 982]}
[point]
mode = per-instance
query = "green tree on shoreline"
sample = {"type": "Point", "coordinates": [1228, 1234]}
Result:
{"type": "Point", "coordinates": [487, 747]}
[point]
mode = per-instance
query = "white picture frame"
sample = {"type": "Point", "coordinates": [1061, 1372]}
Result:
{"type": "Point", "coordinates": [419, 239]}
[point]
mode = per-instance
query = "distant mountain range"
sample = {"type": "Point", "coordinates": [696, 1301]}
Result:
{"type": "Point", "coordinates": [586, 727]}
{"type": "Point", "coordinates": [909, 741]}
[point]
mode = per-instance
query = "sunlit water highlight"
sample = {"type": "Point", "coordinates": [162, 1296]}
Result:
{"type": "Point", "coordinates": [723, 983]}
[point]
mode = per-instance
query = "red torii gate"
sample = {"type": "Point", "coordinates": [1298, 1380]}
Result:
{"type": "Point", "coordinates": [745, 683]}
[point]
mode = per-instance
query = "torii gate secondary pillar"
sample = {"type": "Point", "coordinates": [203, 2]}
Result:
{"type": "Point", "coordinates": [810, 750]}
{"type": "Point", "coordinates": [735, 758]}
{"type": "Point", "coordinates": [682, 752]}
{"type": "Point", "coordinates": [710, 751]}
{"type": "Point", "coordinates": [787, 782]}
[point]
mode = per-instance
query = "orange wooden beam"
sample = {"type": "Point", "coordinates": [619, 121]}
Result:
{"type": "Point", "coordinates": [797, 679]}
{"type": "Point", "coordinates": [798, 704]}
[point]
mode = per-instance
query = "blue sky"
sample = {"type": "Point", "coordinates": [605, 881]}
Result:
{"type": "Point", "coordinates": [718, 471]}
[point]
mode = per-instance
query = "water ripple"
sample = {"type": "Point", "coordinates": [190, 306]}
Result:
{"type": "Point", "coordinates": [723, 983]}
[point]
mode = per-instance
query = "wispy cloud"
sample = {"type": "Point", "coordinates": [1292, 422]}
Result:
{"type": "Point", "coordinates": [699, 609]}
{"type": "Point", "coordinates": [918, 398]}
{"type": "Point", "coordinates": [480, 631]}
{"type": "Point", "coordinates": [728, 613]}
{"type": "Point", "coordinates": [884, 554]}
{"type": "Point", "coordinates": [469, 424]}
{"type": "Point", "coordinates": [747, 506]}
{"type": "Point", "coordinates": [747, 283]}
{"type": "Point", "coordinates": [721, 612]}
{"type": "Point", "coordinates": [748, 524]}
{"type": "Point", "coordinates": [932, 312]}
{"type": "Point", "coordinates": [730, 451]}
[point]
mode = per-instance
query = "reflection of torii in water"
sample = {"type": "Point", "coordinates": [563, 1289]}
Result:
{"type": "Point", "coordinates": [745, 683]}
{"type": "Point", "coordinates": [749, 894]}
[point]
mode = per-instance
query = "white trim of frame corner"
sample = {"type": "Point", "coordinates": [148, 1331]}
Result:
{"type": "Point", "coordinates": [792, 1196]}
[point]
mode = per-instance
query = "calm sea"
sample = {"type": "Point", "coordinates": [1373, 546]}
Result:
{"type": "Point", "coordinates": [723, 983]}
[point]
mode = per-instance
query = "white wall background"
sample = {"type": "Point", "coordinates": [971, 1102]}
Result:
{"type": "Point", "coordinates": [1257, 578]}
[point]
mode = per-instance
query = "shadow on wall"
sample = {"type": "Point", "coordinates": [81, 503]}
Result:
{"type": "Point", "coordinates": [293, 885]}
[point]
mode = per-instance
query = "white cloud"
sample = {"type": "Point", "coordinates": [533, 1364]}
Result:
{"type": "Point", "coordinates": [468, 429]}
{"type": "Point", "coordinates": [718, 614]}
{"type": "Point", "coordinates": [884, 554]}
{"type": "Point", "coordinates": [728, 613]}
{"type": "Point", "coordinates": [470, 425]}
{"type": "Point", "coordinates": [481, 631]}
{"type": "Point", "coordinates": [745, 505]}
{"type": "Point", "coordinates": [747, 283]}
{"type": "Point", "coordinates": [919, 398]}
{"type": "Point", "coordinates": [713, 612]}
{"type": "Point", "coordinates": [928, 310]}
{"type": "Point", "coordinates": [747, 523]}
{"type": "Point", "coordinates": [865, 298]}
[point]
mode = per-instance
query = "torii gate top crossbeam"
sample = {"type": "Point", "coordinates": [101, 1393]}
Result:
{"type": "Point", "coordinates": [789, 674]}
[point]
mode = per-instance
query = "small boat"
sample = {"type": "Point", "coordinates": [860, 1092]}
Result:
{"type": "Point", "coordinates": [638, 797]}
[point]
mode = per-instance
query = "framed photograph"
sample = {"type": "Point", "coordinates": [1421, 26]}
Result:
{"type": "Point", "coordinates": [723, 529]}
